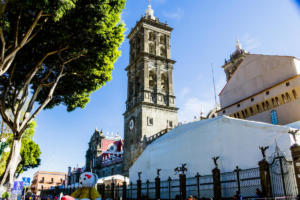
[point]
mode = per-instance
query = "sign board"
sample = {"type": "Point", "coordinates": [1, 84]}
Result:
{"type": "Point", "coordinates": [18, 187]}
{"type": "Point", "coordinates": [26, 181]}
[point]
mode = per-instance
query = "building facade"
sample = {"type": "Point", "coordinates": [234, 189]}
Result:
{"type": "Point", "coordinates": [261, 88]}
{"type": "Point", "coordinates": [105, 154]}
{"type": "Point", "coordinates": [150, 105]}
{"type": "Point", "coordinates": [43, 180]}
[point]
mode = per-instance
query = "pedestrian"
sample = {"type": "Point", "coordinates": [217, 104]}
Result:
{"type": "Point", "coordinates": [258, 193]}
{"type": "Point", "coordinates": [190, 197]}
{"type": "Point", "coordinates": [237, 196]}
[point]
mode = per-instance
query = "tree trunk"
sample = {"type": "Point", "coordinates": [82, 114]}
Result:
{"type": "Point", "coordinates": [11, 166]}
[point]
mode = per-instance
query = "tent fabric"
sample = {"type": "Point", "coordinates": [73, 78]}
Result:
{"type": "Point", "coordinates": [235, 141]}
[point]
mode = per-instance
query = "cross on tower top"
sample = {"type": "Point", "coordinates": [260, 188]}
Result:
{"type": "Point", "coordinates": [149, 2]}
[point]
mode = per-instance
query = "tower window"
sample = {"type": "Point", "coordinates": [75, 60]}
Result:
{"type": "Point", "coordinates": [151, 48]}
{"type": "Point", "coordinates": [164, 81]}
{"type": "Point", "coordinates": [152, 78]}
{"type": "Point", "coordinates": [294, 94]}
{"type": "Point", "coordinates": [151, 36]}
{"type": "Point", "coordinates": [162, 51]}
{"type": "Point", "coordinates": [162, 39]}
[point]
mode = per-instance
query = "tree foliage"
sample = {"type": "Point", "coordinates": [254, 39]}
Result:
{"type": "Point", "coordinates": [69, 51]}
{"type": "Point", "coordinates": [30, 151]}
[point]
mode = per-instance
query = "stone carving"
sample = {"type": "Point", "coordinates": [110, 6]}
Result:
{"type": "Point", "coordinates": [263, 151]}
{"type": "Point", "coordinates": [215, 159]}
{"type": "Point", "coordinates": [181, 169]}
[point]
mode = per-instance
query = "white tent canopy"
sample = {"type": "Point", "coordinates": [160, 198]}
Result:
{"type": "Point", "coordinates": [235, 141]}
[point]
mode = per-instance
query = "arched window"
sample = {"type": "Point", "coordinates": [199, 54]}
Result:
{"type": "Point", "coordinates": [246, 113]}
{"type": "Point", "coordinates": [151, 36]}
{"type": "Point", "coordinates": [152, 79]}
{"type": "Point", "coordinates": [235, 115]}
{"type": "Point", "coordinates": [263, 105]}
{"type": "Point", "coordinates": [277, 101]}
{"type": "Point", "coordinates": [273, 102]}
{"type": "Point", "coordinates": [162, 39]}
{"type": "Point", "coordinates": [267, 105]}
{"type": "Point", "coordinates": [294, 94]}
{"type": "Point", "coordinates": [162, 51]}
{"type": "Point", "coordinates": [244, 116]}
{"type": "Point", "coordinates": [283, 98]}
{"type": "Point", "coordinates": [251, 110]}
{"type": "Point", "coordinates": [238, 115]}
{"type": "Point", "coordinates": [287, 96]}
{"type": "Point", "coordinates": [151, 48]}
{"type": "Point", "coordinates": [164, 81]}
{"type": "Point", "coordinates": [258, 108]}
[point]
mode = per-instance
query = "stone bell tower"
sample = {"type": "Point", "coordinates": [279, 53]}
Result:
{"type": "Point", "coordinates": [150, 104]}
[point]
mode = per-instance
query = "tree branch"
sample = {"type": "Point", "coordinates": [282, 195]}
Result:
{"type": "Point", "coordinates": [27, 119]}
{"type": "Point", "coordinates": [3, 43]}
{"type": "Point", "coordinates": [17, 29]}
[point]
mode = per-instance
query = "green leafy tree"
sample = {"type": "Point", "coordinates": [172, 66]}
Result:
{"type": "Point", "coordinates": [30, 151]}
{"type": "Point", "coordinates": [70, 54]}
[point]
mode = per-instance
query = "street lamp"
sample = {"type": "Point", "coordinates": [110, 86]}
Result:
{"type": "Point", "coordinates": [4, 147]}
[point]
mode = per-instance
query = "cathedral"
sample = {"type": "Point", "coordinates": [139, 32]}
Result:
{"type": "Point", "coordinates": [150, 108]}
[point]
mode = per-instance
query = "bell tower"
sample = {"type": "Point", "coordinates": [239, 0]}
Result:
{"type": "Point", "coordinates": [150, 104]}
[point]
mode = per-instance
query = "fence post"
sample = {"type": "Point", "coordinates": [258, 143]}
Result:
{"type": "Point", "coordinates": [182, 179]}
{"type": "Point", "coordinates": [217, 182]}
{"type": "Point", "coordinates": [157, 187]}
{"type": "Point", "coordinates": [295, 150]}
{"type": "Point", "coordinates": [147, 183]}
{"type": "Point", "coordinates": [265, 178]}
{"type": "Point", "coordinates": [124, 196]}
{"type": "Point", "coordinates": [112, 189]}
{"type": "Point", "coordinates": [237, 170]}
{"type": "Point", "coordinates": [130, 190]}
{"type": "Point", "coordinates": [198, 184]}
{"type": "Point", "coordinates": [139, 186]}
{"type": "Point", "coordinates": [169, 186]}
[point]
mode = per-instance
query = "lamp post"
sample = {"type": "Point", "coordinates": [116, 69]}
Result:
{"type": "Point", "coordinates": [4, 147]}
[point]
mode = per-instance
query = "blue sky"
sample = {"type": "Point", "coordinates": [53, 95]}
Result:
{"type": "Point", "coordinates": [204, 34]}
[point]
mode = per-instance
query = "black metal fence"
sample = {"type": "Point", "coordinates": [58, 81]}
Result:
{"type": "Point", "coordinates": [246, 181]}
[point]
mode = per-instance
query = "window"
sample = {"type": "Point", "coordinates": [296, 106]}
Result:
{"type": "Point", "coordinates": [277, 101]}
{"type": "Point", "coordinates": [150, 121]}
{"type": "Point", "coordinates": [238, 115]}
{"type": "Point", "coordinates": [162, 39]}
{"type": "Point", "coordinates": [287, 83]}
{"type": "Point", "coordinates": [170, 124]}
{"type": "Point", "coordinates": [267, 92]}
{"type": "Point", "coordinates": [283, 98]}
{"type": "Point", "coordinates": [274, 117]}
{"type": "Point", "coordinates": [287, 97]}
{"type": "Point", "coordinates": [294, 94]}
{"type": "Point", "coordinates": [267, 105]}
{"type": "Point", "coordinates": [151, 36]}
{"type": "Point", "coordinates": [251, 110]}
{"type": "Point", "coordinates": [224, 111]}
{"type": "Point", "coordinates": [42, 187]}
{"type": "Point", "coordinates": [112, 171]}
{"type": "Point", "coordinates": [246, 112]}
{"type": "Point", "coordinates": [164, 81]}
{"type": "Point", "coordinates": [151, 48]}
{"type": "Point", "coordinates": [273, 102]}
{"type": "Point", "coordinates": [162, 51]}
{"type": "Point", "coordinates": [263, 105]}
{"type": "Point", "coordinates": [244, 116]}
{"type": "Point", "coordinates": [152, 78]}
{"type": "Point", "coordinates": [234, 115]}
{"type": "Point", "coordinates": [238, 105]}
{"type": "Point", "coordinates": [52, 180]}
{"type": "Point", "coordinates": [252, 99]}
{"type": "Point", "coordinates": [258, 108]}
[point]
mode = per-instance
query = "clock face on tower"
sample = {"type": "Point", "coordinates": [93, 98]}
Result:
{"type": "Point", "coordinates": [131, 124]}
